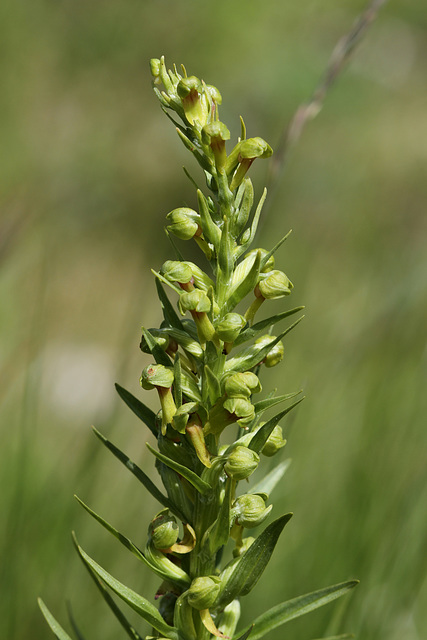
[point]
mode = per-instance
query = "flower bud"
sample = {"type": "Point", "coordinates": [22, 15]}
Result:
{"type": "Point", "coordinates": [156, 375]}
{"type": "Point", "coordinates": [176, 271]}
{"type": "Point", "coordinates": [200, 278]}
{"type": "Point", "coordinates": [215, 134]}
{"type": "Point", "coordinates": [194, 100]}
{"type": "Point", "coordinates": [250, 510]}
{"type": "Point", "coordinates": [159, 336]}
{"type": "Point", "coordinates": [203, 592]}
{"type": "Point", "coordinates": [155, 68]}
{"type": "Point", "coordinates": [241, 409]}
{"type": "Point", "coordinates": [230, 326]}
{"type": "Point", "coordinates": [275, 285]}
{"type": "Point", "coordinates": [184, 223]}
{"type": "Point", "coordinates": [163, 530]}
{"type": "Point", "coordinates": [274, 442]}
{"type": "Point", "coordinates": [275, 355]}
{"type": "Point", "coordinates": [242, 385]}
{"type": "Point", "coordinates": [247, 152]}
{"type": "Point", "coordinates": [195, 300]}
{"type": "Point", "coordinates": [241, 463]}
{"type": "Point", "coordinates": [214, 93]}
{"type": "Point", "coordinates": [182, 415]}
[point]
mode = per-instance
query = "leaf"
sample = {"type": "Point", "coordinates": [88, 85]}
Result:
{"type": "Point", "coordinates": [246, 634]}
{"type": "Point", "coordinates": [225, 260]}
{"type": "Point", "coordinates": [173, 573]}
{"type": "Point", "coordinates": [137, 602]}
{"type": "Point", "coordinates": [213, 385]}
{"type": "Point", "coordinates": [139, 474]}
{"type": "Point", "coordinates": [274, 249]}
{"type": "Point", "coordinates": [199, 484]}
{"type": "Point", "coordinates": [245, 286]}
{"type": "Point", "coordinates": [73, 623]}
{"type": "Point", "coordinates": [262, 435]}
{"type": "Point", "coordinates": [253, 562]}
{"type": "Point", "coordinates": [132, 633]}
{"type": "Point", "coordinates": [52, 622]}
{"type": "Point", "coordinates": [210, 229]}
{"type": "Point", "coordinates": [296, 607]}
{"type": "Point", "coordinates": [169, 312]}
{"type": "Point", "coordinates": [177, 381]}
{"type": "Point", "coordinates": [263, 325]}
{"type": "Point", "coordinates": [254, 225]}
{"type": "Point", "coordinates": [218, 533]}
{"type": "Point", "coordinates": [269, 482]}
{"type": "Point", "coordinates": [159, 355]}
{"type": "Point", "coordinates": [145, 414]}
{"type": "Point", "coordinates": [267, 403]}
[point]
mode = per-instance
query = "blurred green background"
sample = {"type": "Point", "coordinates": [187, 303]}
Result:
{"type": "Point", "coordinates": [89, 168]}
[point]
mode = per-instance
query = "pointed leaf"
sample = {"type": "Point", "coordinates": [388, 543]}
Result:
{"type": "Point", "coordinates": [138, 473]}
{"type": "Point", "coordinates": [262, 435]}
{"type": "Point", "coordinates": [172, 573]}
{"type": "Point", "coordinates": [213, 385]}
{"type": "Point", "coordinates": [263, 325]}
{"type": "Point", "coordinates": [145, 414]}
{"type": "Point", "coordinates": [177, 388]}
{"type": "Point", "coordinates": [274, 249]}
{"type": "Point", "coordinates": [246, 634]}
{"type": "Point", "coordinates": [248, 284]}
{"type": "Point", "coordinates": [269, 482]}
{"type": "Point", "coordinates": [211, 231]}
{"type": "Point", "coordinates": [73, 623]}
{"type": "Point", "coordinates": [137, 602]}
{"type": "Point", "coordinates": [159, 355]}
{"type": "Point", "coordinates": [267, 403]}
{"type": "Point", "coordinates": [169, 312]}
{"type": "Point", "coordinates": [127, 626]}
{"type": "Point", "coordinates": [219, 532]}
{"type": "Point", "coordinates": [254, 225]}
{"type": "Point", "coordinates": [199, 484]}
{"type": "Point", "coordinates": [52, 622]}
{"type": "Point", "coordinates": [298, 607]}
{"type": "Point", "coordinates": [253, 562]}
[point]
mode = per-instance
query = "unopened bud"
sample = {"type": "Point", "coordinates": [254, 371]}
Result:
{"type": "Point", "coordinates": [163, 530]}
{"type": "Point", "coordinates": [155, 68]}
{"type": "Point", "coordinates": [275, 285]}
{"type": "Point", "coordinates": [195, 300]}
{"type": "Point", "coordinates": [156, 375]}
{"type": "Point", "coordinates": [203, 592]}
{"type": "Point", "coordinates": [184, 223]}
{"type": "Point", "coordinates": [182, 415]}
{"type": "Point", "coordinates": [194, 100]}
{"type": "Point", "coordinates": [242, 409]}
{"type": "Point", "coordinates": [230, 326]}
{"type": "Point", "coordinates": [161, 338]}
{"type": "Point", "coordinates": [250, 510]}
{"type": "Point", "coordinates": [176, 271]}
{"type": "Point", "coordinates": [215, 134]}
{"type": "Point", "coordinates": [269, 265]}
{"type": "Point", "coordinates": [274, 443]}
{"type": "Point", "coordinates": [242, 385]}
{"type": "Point", "coordinates": [276, 353]}
{"type": "Point", "coordinates": [241, 463]}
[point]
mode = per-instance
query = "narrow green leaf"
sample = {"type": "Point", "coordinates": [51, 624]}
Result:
{"type": "Point", "coordinates": [52, 622]}
{"type": "Point", "coordinates": [262, 435]}
{"type": "Point", "coordinates": [159, 355]}
{"type": "Point", "coordinates": [73, 623]}
{"type": "Point", "coordinates": [267, 403]}
{"type": "Point", "coordinates": [213, 385]}
{"type": "Point", "coordinates": [271, 480]}
{"type": "Point", "coordinates": [274, 249]}
{"type": "Point", "coordinates": [132, 633]}
{"type": "Point", "coordinates": [172, 572]}
{"type": "Point", "coordinates": [249, 358]}
{"type": "Point", "coordinates": [245, 635]}
{"type": "Point", "coordinates": [177, 388]}
{"type": "Point", "coordinates": [199, 484]}
{"type": "Point", "coordinates": [296, 607]}
{"type": "Point", "coordinates": [145, 414]}
{"type": "Point", "coordinates": [137, 602]}
{"type": "Point", "coordinates": [253, 562]}
{"type": "Point", "coordinates": [210, 229]}
{"type": "Point", "coordinates": [219, 532]}
{"type": "Point", "coordinates": [225, 260]}
{"type": "Point", "coordinates": [342, 636]}
{"type": "Point", "coordinates": [263, 325]}
{"type": "Point", "coordinates": [254, 225]}
{"type": "Point", "coordinates": [169, 312]}
{"type": "Point", "coordinates": [247, 285]}
{"type": "Point", "coordinates": [139, 474]}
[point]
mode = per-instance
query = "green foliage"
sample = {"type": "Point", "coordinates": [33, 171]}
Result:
{"type": "Point", "coordinates": [203, 390]}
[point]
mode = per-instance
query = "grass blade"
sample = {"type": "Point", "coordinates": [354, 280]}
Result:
{"type": "Point", "coordinates": [298, 607]}
{"type": "Point", "coordinates": [145, 414]}
{"type": "Point", "coordinates": [52, 622]}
